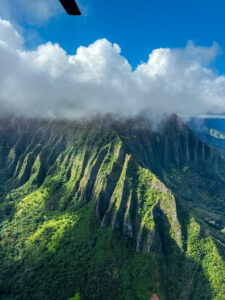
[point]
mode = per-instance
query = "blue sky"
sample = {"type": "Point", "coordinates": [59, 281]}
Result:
{"type": "Point", "coordinates": [139, 26]}
{"type": "Point", "coordinates": [121, 56]}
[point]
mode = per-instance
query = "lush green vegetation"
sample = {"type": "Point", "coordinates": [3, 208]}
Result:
{"type": "Point", "coordinates": [95, 212]}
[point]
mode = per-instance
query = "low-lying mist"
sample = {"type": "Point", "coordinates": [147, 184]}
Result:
{"type": "Point", "coordinates": [98, 80]}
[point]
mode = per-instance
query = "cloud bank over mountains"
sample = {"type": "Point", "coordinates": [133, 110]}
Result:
{"type": "Point", "coordinates": [97, 79]}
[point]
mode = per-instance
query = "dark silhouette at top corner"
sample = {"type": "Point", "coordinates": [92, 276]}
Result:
{"type": "Point", "coordinates": [71, 7]}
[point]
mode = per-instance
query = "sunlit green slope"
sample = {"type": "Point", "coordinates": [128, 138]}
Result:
{"type": "Point", "coordinates": [109, 210]}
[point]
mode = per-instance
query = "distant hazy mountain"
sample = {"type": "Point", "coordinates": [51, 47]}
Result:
{"type": "Point", "coordinates": [210, 131]}
{"type": "Point", "coordinates": [110, 210]}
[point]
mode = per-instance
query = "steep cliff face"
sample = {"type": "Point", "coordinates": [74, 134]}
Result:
{"type": "Point", "coordinates": [211, 131]}
{"type": "Point", "coordinates": [109, 210]}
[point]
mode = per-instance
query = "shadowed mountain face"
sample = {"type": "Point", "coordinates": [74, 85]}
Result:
{"type": "Point", "coordinates": [211, 131]}
{"type": "Point", "coordinates": [110, 210]}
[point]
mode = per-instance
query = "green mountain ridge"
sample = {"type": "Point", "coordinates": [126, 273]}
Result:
{"type": "Point", "coordinates": [107, 209]}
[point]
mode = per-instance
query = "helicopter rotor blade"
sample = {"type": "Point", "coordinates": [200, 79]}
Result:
{"type": "Point", "coordinates": [71, 7]}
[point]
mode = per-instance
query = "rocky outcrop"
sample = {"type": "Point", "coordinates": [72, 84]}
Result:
{"type": "Point", "coordinates": [154, 297]}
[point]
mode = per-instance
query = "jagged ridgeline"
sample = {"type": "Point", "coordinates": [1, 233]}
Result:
{"type": "Point", "coordinates": [110, 210]}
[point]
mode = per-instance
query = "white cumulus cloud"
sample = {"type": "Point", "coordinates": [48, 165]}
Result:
{"type": "Point", "coordinates": [9, 35]}
{"type": "Point", "coordinates": [97, 79]}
